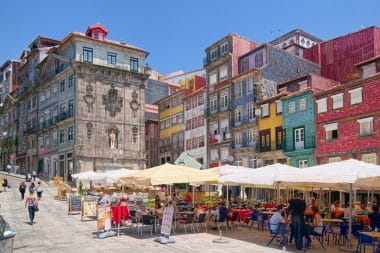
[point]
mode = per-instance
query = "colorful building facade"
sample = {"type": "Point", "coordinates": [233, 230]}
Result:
{"type": "Point", "coordinates": [171, 132]}
{"type": "Point", "coordinates": [194, 118]}
{"type": "Point", "coordinates": [348, 118]}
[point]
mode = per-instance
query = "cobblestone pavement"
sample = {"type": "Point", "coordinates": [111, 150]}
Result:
{"type": "Point", "coordinates": [56, 231]}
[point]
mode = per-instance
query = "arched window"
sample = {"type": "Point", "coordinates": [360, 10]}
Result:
{"type": "Point", "coordinates": [113, 137]}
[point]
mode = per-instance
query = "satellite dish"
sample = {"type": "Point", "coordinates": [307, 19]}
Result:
{"type": "Point", "coordinates": [258, 112]}
{"type": "Point", "coordinates": [215, 126]}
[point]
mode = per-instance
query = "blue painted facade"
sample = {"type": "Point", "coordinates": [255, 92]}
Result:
{"type": "Point", "coordinates": [298, 124]}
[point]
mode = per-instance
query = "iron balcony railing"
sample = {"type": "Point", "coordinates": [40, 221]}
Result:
{"type": "Point", "coordinates": [300, 144]}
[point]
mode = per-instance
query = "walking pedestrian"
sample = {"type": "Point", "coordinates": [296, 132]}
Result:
{"type": "Point", "coordinates": [34, 174]}
{"type": "Point", "coordinates": [39, 190]}
{"type": "Point", "coordinates": [5, 183]}
{"type": "Point", "coordinates": [32, 203]}
{"type": "Point", "coordinates": [22, 189]}
{"type": "Point", "coordinates": [297, 208]}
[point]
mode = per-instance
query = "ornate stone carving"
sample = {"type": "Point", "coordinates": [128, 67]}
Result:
{"type": "Point", "coordinates": [134, 104]}
{"type": "Point", "coordinates": [89, 98]}
{"type": "Point", "coordinates": [112, 101]}
{"type": "Point", "coordinates": [89, 127]}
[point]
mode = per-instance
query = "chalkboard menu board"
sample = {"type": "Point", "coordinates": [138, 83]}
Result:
{"type": "Point", "coordinates": [75, 205]}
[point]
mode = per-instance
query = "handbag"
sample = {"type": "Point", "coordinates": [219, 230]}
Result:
{"type": "Point", "coordinates": [36, 209]}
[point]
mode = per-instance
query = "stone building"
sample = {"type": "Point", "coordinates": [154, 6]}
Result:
{"type": "Point", "coordinates": [90, 105]}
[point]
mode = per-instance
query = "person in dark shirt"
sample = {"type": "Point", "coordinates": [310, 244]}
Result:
{"type": "Point", "coordinates": [297, 208]}
{"type": "Point", "coordinates": [374, 217]}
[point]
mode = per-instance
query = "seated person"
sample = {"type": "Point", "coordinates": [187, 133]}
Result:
{"type": "Point", "coordinates": [317, 220]}
{"type": "Point", "coordinates": [188, 198]}
{"type": "Point", "coordinates": [335, 206]}
{"type": "Point", "coordinates": [374, 217]}
{"type": "Point", "coordinates": [276, 220]}
{"type": "Point", "coordinates": [198, 210]}
{"type": "Point", "coordinates": [357, 208]}
{"type": "Point", "coordinates": [350, 211]}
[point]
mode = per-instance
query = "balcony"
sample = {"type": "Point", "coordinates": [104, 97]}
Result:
{"type": "Point", "coordinates": [30, 130]}
{"type": "Point", "coordinates": [66, 114]}
{"type": "Point", "coordinates": [291, 145]}
{"type": "Point", "coordinates": [122, 65]}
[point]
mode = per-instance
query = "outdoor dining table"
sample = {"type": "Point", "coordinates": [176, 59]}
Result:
{"type": "Point", "coordinates": [327, 220]}
{"type": "Point", "coordinates": [242, 213]}
{"type": "Point", "coordinates": [374, 235]}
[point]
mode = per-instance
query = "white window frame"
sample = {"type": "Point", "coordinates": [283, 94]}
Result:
{"type": "Point", "coordinates": [213, 78]}
{"type": "Point", "coordinates": [302, 104]}
{"type": "Point", "coordinates": [223, 72]}
{"type": "Point", "coordinates": [251, 135]}
{"type": "Point", "coordinates": [214, 156]}
{"type": "Point", "coordinates": [250, 85]}
{"type": "Point", "coordinates": [369, 70]}
{"type": "Point", "coordinates": [292, 107]}
{"type": "Point", "coordinates": [238, 114]}
{"type": "Point", "coordinates": [213, 103]}
{"type": "Point", "coordinates": [265, 110]}
{"type": "Point", "coordinates": [337, 101]}
{"type": "Point", "coordinates": [224, 99]}
{"type": "Point", "coordinates": [224, 153]}
{"type": "Point", "coordinates": [238, 138]}
{"type": "Point", "coordinates": [237, 90]}
{"type": "Point", "coordinates": [214, 54]}
{"type": "Point", "coordinates": [278, 106]}
{"type": "Point", "coordinates": [335, 159]}
{"type": "Point", "coordinates": [356, 96]}
{"type": "Point", "coordinates": [224, 48]}
{"type": "Point", "coordinates": [328, 129]}
{"type": "Point", "coordinates": [321, 105]}
{"type": "Point", "coordinates": [302, 163]}
{"type": "Point", "coordinates": [363, 123]}
{"type": "Point", "coordinates": [251, 111]}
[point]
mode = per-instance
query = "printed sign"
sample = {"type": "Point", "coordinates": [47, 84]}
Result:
{"type": "Point", "coordinates": [104, 217]}
{"type": "Point", "coordinates": [89, 208]}
{"type": "Point", "coordinates": [74, 204]}
{"type": "Point", "coordinates": [167, 221]}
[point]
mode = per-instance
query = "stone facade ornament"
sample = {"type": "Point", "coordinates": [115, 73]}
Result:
{"type": "Point", "coordinates": [89, 127]}
{"type": "Point", "coordinates": [112, 101]}
{"type": "Point", "coordinates": [89, 98]}
{"type": "Point", "coordinates": [134, 104]}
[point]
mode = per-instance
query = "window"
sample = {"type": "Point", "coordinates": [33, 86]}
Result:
{"type": "Point", "coordinates": [237, 138]}
{"type": "Point", "coordinates": [249, 85]}
{"type": "Point", "coordinates": [200, 99]}
{"type": "Point", "coordinates": [356, 96]}
{"type": "Point", "coordinates": [224, 48]}
{"type": "Point", "coordinates": [251, 111]}
{"type": "Point", "coordinates": [365, 126]}
{"type": "Point", "coordinates": [370, 158]}
{"type": "Point", "coordinates": [259, 59]}
{"type": "Point", "coordinates": [54, 90]}
{"type": "Point", "coordinates": [237, 90]}
{"type": "Point", "coordinates": [292, 107]}
{"type": "Point", "coordinates": [334, 159]}
{"type": "Point", "coordinates": [71, 107]}
{"type": "Point", "coordinates": [223, 72]}
{"type": "Point", "coordinates": [337, 101]}
{"type": "Point", "coordinates": [188, 144]}
{"type": "Point", "coordinates": [369, 70]}
{"type": "Point", "coordinates": [238, 115]}
{"type": "Point", "coordinates": [47, 94]}
{"type": "Point", "coordinates": [224, 153]}
{"type": "Point", "coordinates": [201, 141]}
{"type": "Point", "coordinates": [62, 86]}
{"type": "Point", "coordinates": [214, 54]}
{"type": "Point", "coordinates": [111, 58]}
{"type": "Point", "coordinates": [302, 104]}
{"type": "Point", "coordinates": [299, 138]}
{"type": "Point", "coordinates": [251, 136]}
{"type": "Point", "coordinates": [212, 78]}
{"type": "Point", "coordinates": [278, 106]}
{"type": "Point", "coordinates": [214, 154]}
{"type": "Point", "coordinates": [265, 140]}
{"type": "Point", "coordinates": [279, 138]}
{"type": "Point", "coordinates": [194, 123]}
{"type": "Point", "coordinates": [188, 105]}
{"type": "Point", "coordinates": [213, 103]}
{"type": "Point", "coordinates": [194, 102]}
{"type": "Point", "coordinates": [71, 81]}
{"type": "Point", "coordinates": [331, 131]}
{"type": "Point", "coordinates": [62, 136]}
{"type": "Point", "coordinates": [194, 142]}
{"type": "Point", "coordinates": [55, 138]}
{"type": "Point", "coordinates": [188, 124]}
{"type": "Point", "coordinates": [70, 133]}
{"type": "Point", "coordinates": [62, 111]}
{"type": "Point", "coordinates": [302, 164]}
{"type": "Point", "coordinates": [224, 99]}
{"type": "Point", "coordinates": [201, 120]}
{"type": "Point", "coordinates": [87, 54]}
{"type": "Point", "coordinates": [134, 62]}
{"type": "Point", "coordinates": [322, 105]}
{"type": "Point", "coordinates": [265, 110]}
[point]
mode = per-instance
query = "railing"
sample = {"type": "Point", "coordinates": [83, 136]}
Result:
{"type": "Point", "coordinates": [291, 145]}
{"type": "Point", "coordinates": [119, 64]}
{"type": "Point", "coordinates": [30, 130]}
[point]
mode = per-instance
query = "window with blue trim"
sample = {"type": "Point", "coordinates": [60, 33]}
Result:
{"type": "Point", "coordinates": [134, 62]}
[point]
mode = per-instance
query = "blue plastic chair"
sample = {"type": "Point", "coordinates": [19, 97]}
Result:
{"type": "Point", "coordinates": [363, 241]}
{"type": "Point", "coordinates": [280, 232]}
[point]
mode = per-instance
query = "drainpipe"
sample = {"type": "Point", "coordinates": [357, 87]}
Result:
{"type": "Point", "coordinates": [75, 105]}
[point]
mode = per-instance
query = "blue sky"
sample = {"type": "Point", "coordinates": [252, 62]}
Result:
{"type": "Point", "coordinates": [177, 32]}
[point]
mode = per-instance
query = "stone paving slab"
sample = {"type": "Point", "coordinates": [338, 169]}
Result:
{"type": "Point", "coordinates": [56, 231]}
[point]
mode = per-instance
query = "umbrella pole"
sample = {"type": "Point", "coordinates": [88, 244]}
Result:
{"type": "Point", "coordinates": [193, 195]}
{"type": "Point", "coordinates": [367, 196]}
{"type": "Point", "coordinates": [350, 222]}
{"type": "Point", "coordinates": [227, 195]}
{"type": "Point", "coordinates": [278, 193]}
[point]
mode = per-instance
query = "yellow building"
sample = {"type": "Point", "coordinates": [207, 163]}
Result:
{"type": "Point", "coordinates": [171, 127]}
{"type": "Point", "coordinates": [271, 134]}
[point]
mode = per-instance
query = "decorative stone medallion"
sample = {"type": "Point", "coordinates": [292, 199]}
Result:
{"type": "Point", "coordinates": [112, 101]}
{"type": "Point", "coordinates": [134, 104]}
{"type": "Point", "coordinates": [89, 98]}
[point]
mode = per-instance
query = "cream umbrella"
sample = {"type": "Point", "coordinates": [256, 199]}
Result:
{"type": "Point", "coordinates": [170, 174]}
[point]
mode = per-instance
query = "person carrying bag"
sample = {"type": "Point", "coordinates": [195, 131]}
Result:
{"type": "Point", "coordinates": [31, 202]}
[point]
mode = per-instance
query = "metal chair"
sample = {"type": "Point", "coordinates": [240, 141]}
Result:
{"type": "Point", "coordinates": [318, 236]}
{"type": "Point", "coordinates": [279, 232]}
{"type": "Point", "coordinates": [363, 241]}
{"type": "Point", "coordinates": [147, 220]}
{"type": "Point", "coordinates": [189, 220]}
{"type": "Point", "coordinates": [201, 221]}
{"type": "Point", "coordinates": [234, 219]}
